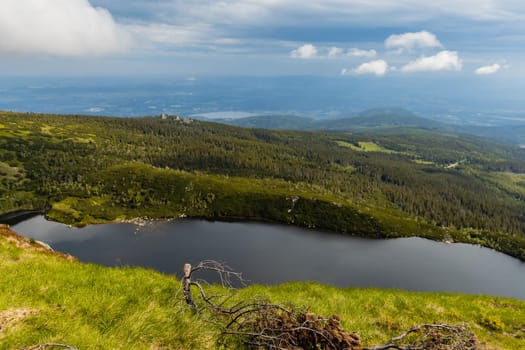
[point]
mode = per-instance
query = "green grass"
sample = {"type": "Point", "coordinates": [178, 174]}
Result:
{"type": "Point", "coordinates": [9, 172]}
{"type": "Point", "coordinates": [364, 146]}
{"type": "Point", "coordinates": [94, 307]}
{"type": "Point", "coordinates": [511, 182]}
{"type": "Point", "coordinates": [368, 146]}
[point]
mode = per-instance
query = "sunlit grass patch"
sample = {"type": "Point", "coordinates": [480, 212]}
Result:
{"type": "Point", "coordinates": [366, 146]}
{"type": "Point", "coordinates": [10, 172]}
{"type": "Point", "coordinates": [424, 162]}
{"type": "Point", "coordinates": [46, 129]}
{"type": "Point", "coordinates": [511, 181]}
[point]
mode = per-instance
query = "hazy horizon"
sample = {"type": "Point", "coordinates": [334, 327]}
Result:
{"type": "Point", "coordinates": [231, 97]}
{"type": "Point", "coordinates": [459, 61]}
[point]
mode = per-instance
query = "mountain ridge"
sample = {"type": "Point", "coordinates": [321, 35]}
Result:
{"type": "Point", "coordinates": [377, 120]}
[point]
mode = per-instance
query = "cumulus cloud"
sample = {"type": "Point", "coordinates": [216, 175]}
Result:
{"type": "Point", "coordinates": [305, 52]}
{"type": "Point", "coordinates": [485, 70]}
{"type": "Point", "coordinates": [250, 20]}
{"type": "Point", "coordinates": [377, 67]}
{"type": "Point", "coordinates": [362, 53]}
{"type": "Point", "coordinates": [59, 27]}
{"type": "Point", "coordinates": [442, 61]}
{"type": "Point", "coordinates": [335, 52]}
{"type": "Point", "coordinates": [411, 41]}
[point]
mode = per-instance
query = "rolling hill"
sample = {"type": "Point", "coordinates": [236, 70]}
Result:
{"type": "Point", "coordinates": [379, 120]}
{"type": "Point", "coordinates": [404, 182]}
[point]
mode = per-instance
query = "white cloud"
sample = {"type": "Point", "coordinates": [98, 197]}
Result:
{"type": "Point", "coordinates": [411, 41]}
{"type": "Point", "coordinates": [362, 53]}
{"type": "Point", "coordinates": [171, 34]}
{"type": "Point", "coordinates": [335, 52]}
{"type": "Point", "coordinates": [444, 60]}
{"type": "Point", "coordinates": [59, 27]}
{"type": "Point", "coordinates": [250, 20]}
{"type": "Point", "coordinates": [227, 41]}
{"type": "Point", "coordinates": [377, 67]}
{"type": "Point", "coordinates": [305, 52]}
{"type": "Point", "coordinates": [311, 51]}
{"type": "Point", "coordinates": [485, 70]}
{"type": "Point", "coordinates": [381, 12]}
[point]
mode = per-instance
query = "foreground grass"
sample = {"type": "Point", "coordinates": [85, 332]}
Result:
{"type": "Point", "coordinates": [94, 307]}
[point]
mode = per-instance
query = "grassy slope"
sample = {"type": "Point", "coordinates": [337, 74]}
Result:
{"type": "Point", "coordinates": [94, 307]}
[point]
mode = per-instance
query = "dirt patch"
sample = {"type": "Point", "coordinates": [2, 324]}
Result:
{"type": "Point", "coordinates": [11, 317]}
{"type": "Point", "coordinates": [29, 244]}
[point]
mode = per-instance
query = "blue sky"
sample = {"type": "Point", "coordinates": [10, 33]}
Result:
{"type": "Point", "coordinates": [371, 38]}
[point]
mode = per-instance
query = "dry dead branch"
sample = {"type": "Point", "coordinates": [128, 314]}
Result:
{"type": "Point", "coordinates": [50, 346]}
{"type": "Point", "coordinates": [432, 337]}
{"type": "Point", "coordinates": [226, 275]}
{"type": "Point", "coordinates": [260, 324]}
{"type": "Point", "coordinates": [271, 326]}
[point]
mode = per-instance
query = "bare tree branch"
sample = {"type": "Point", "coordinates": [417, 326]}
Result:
{"type": "Point", "coordinates": [226, 275]}
{"type": "Point", "coordinates": [260, 323]}
{"type": "Point", "coordinates": [432, 336]}
{"type": "Point", "coordinates": [263, 325]}
{"type": "Point", "coordinates": [49, 345]}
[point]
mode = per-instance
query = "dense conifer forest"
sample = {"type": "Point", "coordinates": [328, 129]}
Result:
{"type": "Point", "coordinates": [400, 182]}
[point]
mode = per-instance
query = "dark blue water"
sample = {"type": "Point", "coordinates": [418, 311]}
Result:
{"type": "Point", "coordinates": [273, 254]}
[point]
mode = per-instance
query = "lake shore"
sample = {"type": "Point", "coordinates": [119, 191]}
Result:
{"type": "Point", "coordinates": [296, 254]}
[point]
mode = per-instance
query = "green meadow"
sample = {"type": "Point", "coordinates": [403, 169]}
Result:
{"type": "Point", "coordinates": [48, 298]}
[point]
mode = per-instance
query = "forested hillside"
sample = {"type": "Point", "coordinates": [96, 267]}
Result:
{"type": "Point", "coordinates": [404, 182]}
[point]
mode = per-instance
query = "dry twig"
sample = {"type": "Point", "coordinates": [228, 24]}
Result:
{"type": "Point", "coordinates": [432, 337]}
{"type": "Point", "coordinates": [49, 345]}
{"type": "Point", "coordinates": [261, 324]}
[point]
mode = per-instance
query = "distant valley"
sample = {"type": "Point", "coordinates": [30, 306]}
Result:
{"type": "Point", "coordinates": [377, 121]}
